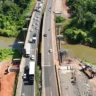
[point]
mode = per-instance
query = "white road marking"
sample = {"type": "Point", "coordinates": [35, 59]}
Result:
{"type": "Point", "coordinates": [47, 65]}
{"type": "Point", "coordinates": [51, 93]}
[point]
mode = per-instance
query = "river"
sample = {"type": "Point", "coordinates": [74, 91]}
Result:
{"type": "Point", "coordinates": [9, 42]}
{"type": "Point", "coordinates": [81, 52]}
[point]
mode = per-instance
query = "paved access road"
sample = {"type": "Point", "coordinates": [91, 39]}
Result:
{"type": "Point", "coordinates": [50, 82]}
{"type": "Point", "coordinates": [28, 90]}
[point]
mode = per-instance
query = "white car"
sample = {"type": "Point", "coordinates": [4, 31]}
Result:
{"type": "Point", "coordinates": [23, 94]}
{"type": "Point", "coordinates": [32, 57]}
{"type": "Point", "coordinates": [39, 10]}
{"type": "Point", "coordinates": [50, 50]}
{"type": "Point", "coordinates": [31, 30]}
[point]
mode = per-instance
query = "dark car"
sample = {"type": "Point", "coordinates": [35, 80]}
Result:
{"type": "Point", "coordinates": [34, 35]}
{"type": "Point", "coordinates": [45, 35]}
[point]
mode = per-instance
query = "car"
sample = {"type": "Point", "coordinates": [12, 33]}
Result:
{"type": "Point", "coordinates": [23, 94]}
{"type": "Point", "coordinates": [25, 75]}
{"type": "Point", "coordinates": [50, 50]}
{"type": "Point", "coordinates": [32, 57]}
{"type": "Point", "coordinates": [33, 24]}
{"type": "Point", "coordinates": [33, 39]}
{"type": "Point", "coordinates": [37, 19]}
{"type": "Point", "coordinates": [38, 16]}
{"type": "Point", "coordinates": [39, 10]}
{"type": "Point", "coordinates": [45, 35]}
{"type": "Point", "coordinates": [34, 18]}
{"type": "Point", "coordinates": [37, 23]}
{"type": "Point", "coordinates": [34, 35]}
{"type": "Point", "coordinates": [30, 40]}
{"type": "Point", "coordinates": [40, 5]}
{"type": "Point", "coordinates": [36, 28]}
{"type": "Point", "coordinates": [31, 30]}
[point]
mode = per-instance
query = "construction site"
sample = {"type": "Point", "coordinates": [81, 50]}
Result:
{"type": "Point", "coordinates": [77, 78]}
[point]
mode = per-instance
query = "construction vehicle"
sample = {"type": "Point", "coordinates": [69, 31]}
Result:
{"type": "Point", "coordinates": [88, 71]}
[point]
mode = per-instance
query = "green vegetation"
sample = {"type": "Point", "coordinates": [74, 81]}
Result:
{"type": "Point", "coordinates": [12, 16]}
{"type": "Point", "coordinates": [84, 60]}
{"type": "Point", "coordinates": [82, 25]}
{"type": "Point", "coordinates": [9, 53]}
{"type": "Point", "coordinates": [37, 81]}
{"type": "Point", "coordinates": [59, 19]}
{"type": "Point", "coordinates": [15, 84]}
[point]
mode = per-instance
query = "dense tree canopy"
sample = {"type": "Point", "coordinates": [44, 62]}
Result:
{"type": "Point", "coordinates": [83, 21]}
{"type": "Point", "coordinates": [12, 17]}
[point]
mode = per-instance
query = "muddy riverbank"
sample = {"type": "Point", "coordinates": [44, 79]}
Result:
{"type": "Point", "coordinates": [80, 51]}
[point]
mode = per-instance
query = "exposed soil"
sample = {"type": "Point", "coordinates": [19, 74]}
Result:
{"type": "Point", "coordinates": [6, 80]}
{"type": "Point", "coordinates": [65, 10]}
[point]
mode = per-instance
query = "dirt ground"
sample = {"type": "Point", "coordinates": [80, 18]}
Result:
{"type": "Point", "coordinates": [65, 10]}
{"type": "Point", "coordinates": [6, 80]}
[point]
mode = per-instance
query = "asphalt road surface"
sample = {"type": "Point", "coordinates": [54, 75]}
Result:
{"type": "Point", "coordinates": [50, 82]}
{"type": "Point", "coordinates": [28, 90]}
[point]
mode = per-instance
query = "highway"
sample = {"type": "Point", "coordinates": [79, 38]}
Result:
{"type": "Point", "coordinates": [28, 90]}
{"type": "Point", "coordinates": [50, 83]}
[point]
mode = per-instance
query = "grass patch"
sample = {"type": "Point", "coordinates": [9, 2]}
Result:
{"type": "Point", "coordinates": [9, 53]}
{"type": "Point", "coordinates": [86, 61]}
{"type": "Point", "coordinates": [29, 7]}
{"type": "Point", "coordinates": [59, 19]}
{"type": "Point", "coordinates": [37, 80]}
{"type": "Point", "coordinates": [45, 3]}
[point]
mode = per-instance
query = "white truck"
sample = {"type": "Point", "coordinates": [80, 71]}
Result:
{"type": "Point", "coordinates": [28, 47]}
{"type": "Point", "coordinates": [31, 72]}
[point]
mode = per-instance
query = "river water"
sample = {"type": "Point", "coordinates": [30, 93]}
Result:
{"type": "Point", "coordinates": [9, 42]}
{"type": "Point", "coordinates": [81, 52]}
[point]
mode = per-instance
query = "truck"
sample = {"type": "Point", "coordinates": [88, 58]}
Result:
{"type": "Point", "coordinates": [27, 50]}
{"type": "Point", "coordinates": [31, 72]}
{"type": "Point", "coordinates": [33, 39]}
{"type": "Point", "coordinates": [25, 75]}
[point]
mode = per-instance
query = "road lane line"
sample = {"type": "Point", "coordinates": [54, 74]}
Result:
{"type": "Point", "coordinates": [46, 65]}
{"type": "Point", "coordinates": [50, 93]}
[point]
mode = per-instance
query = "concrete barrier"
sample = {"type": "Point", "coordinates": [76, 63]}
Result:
{"type": "Point", "coordinates": [19, 85]}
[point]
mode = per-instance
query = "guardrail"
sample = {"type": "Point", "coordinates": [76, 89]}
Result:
{"type": "Point", "coordinates": [57, 63]}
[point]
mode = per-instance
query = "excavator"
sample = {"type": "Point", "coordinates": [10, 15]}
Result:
{"type": "Point", "coordinates": [88, 71]}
